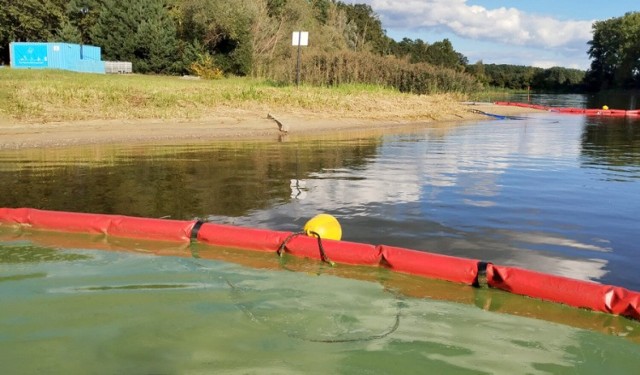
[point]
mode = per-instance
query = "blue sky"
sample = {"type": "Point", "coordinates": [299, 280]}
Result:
{"type": "Point", "coordinates": [542, 33]}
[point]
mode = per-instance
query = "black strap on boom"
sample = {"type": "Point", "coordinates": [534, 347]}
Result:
{"type": "Point", "coordinates": [323, 255]}
{"type": "Point", "coordinates": [195, 230]}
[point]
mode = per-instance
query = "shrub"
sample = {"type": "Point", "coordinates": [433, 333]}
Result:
{"type": "Point", "coordinates": [345, 67]}
{"type": "Point", "coordinates": [205, 67]}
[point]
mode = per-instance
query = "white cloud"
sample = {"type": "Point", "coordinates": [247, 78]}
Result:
{"type": "Point", "coordinates": [504, 25]}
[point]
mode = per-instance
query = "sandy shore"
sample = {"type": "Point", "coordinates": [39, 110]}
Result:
{"type": "Point", "coordinates": [226, 124]}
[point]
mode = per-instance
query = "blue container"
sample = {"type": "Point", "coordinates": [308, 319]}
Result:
{"type": "Point", "coordinates": [66, 56]}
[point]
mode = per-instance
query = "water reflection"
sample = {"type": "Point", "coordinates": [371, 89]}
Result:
{"type": "Point", "coordinates": [549, 192]}
{"type": "Point", "coordinates": [627, 100]}
{"type": "Point", "coordinates": [514, 196]}
{"type": "Point", "coordinates": [179, 182]}
{"type": "Point", "coordinates": [552, 100]}
{"type": "Point", "coordinates": [614, 99]}
{"type": "Point", "coordinates": [613, 145]}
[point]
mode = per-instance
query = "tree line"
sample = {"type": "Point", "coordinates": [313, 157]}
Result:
{"type": "Point", "coordinates": [253, 38]}
{"type": "Point", "coordinates": [165, 36]}
{"type": "Point", "coordinates": [237, 37]}
{"type": "Point", "coordinates": [517, 77]}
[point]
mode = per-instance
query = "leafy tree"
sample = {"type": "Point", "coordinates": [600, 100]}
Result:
{"type": "Point", "coordinates": [28, 21]}
{"type": "Point", "coordinates": [439, 53]}
{"type": "Point", "coordinates": [224, 30]}
{"type": "Point", "coordinates": [416, 50]}
{"type": "Point", "coordinates": [477, 70]}
{"type": "Point", "coordinates": [267, 32]}
{"type": "Point", "coordinates": [276, 7]}
{"type": "Point", "coordinates": [321, 9]}
{"type": "Point", "coordinates": [443, 54]}
{"type": "Point", "coordinates": [368, 27]}
{"type": "Point", "coordinates": [335, 33]}
{"type": "Point", "coordinates": [615, 53]}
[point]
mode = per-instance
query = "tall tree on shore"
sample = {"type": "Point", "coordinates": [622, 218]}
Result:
{"type": "Point", "coordinates": [140, 31]}
{"type": "Point", "coordinates": [82, 15]}
{"type": "Point", "coordinates": [222, 29]}
{"type": "Point", "coordinates": [115, 28]}
{"type": "Point", "coordinates": [615, 53]}
{"type": "Point", "coordinates": [157, 46]}
{"type": "Point", "coordinates": [28, 21]}
{"type": "Point", "coordinates": [68, 33]}
{"type": "Point", "coordinates": [443, 54]}
{"type": "Point", "coordinates": [369, 34]}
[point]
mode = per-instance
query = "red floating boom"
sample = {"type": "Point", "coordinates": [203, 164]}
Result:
{"type": "Point", "coordinates": [241, 238]}
{"type": "Point", "coordinates": [579, 111]}
{"type": "Point", "coordinates": [435, 266]}
{"type": "Point", "coordinates": [115, 225]}
{"type": "Point", "coordinates": [338, 251]}
{"type": "Point", "coordinates": [577, 293]}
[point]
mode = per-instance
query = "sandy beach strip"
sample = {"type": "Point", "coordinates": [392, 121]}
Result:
{"type": "Point", "coordinates": [228, 124]}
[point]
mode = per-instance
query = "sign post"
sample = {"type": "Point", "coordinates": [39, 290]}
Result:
{"type": "Point", "coordinates": [84, 12]}
{"type": "Point", "coordinates": [299, 38]}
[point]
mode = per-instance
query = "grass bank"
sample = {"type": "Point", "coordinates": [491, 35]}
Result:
{"type": "Point", "coordinates": [42, 96]}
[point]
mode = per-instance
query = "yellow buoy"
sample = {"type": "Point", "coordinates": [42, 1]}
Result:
{"type": "Point", "coordinates": [605, 107]}
{"type": "Point", "coordinates": [325, 225]}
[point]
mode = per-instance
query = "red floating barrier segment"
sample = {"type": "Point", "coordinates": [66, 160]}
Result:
{"type": "Point", "coordinates": [607, 112]}
{"type": "Point", "coordinates": [621, 301]}
{"type": "Point", "coordinates": [572, 292]}
{"type": "Point", "coordinates": [634, 113]}
{"type": "Point", "coordinates": [582, 111]}
{"type": "Point", "coordinates": [431, 265]}
{"type": "Point", "coordinates": [153, 229]}
{"type": "Point", "coordinates": [338, 251]}
{"type": "Point", "coordinates": [14, 215]}
{"type": "Point", "coordinates": [116, 225]}
{"type": "Point", "coordinates": [570, 110]}
{"type": "Point", "coordinates": [241, 238]}
{"type": "Point", "coordinates": [68, 221]}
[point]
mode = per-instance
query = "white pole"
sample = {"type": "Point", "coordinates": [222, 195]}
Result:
{"type": "Point", "coordinates": [298, 64]}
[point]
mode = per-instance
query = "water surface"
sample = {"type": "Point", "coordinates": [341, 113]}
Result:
{"type": "Point", "coordinates": [87, 311]}
{"type": "Point", "coordinates": [555, 193]}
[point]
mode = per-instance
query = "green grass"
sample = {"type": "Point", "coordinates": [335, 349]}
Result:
{"type": "Point", "coordinates": [53, 95]}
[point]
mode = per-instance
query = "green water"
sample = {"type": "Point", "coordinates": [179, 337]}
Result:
{"type": "Point", "coordinates": [101, 312]}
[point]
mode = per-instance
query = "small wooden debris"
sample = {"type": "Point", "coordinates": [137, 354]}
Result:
{"type": "Point", "coordinates": [283, 128]}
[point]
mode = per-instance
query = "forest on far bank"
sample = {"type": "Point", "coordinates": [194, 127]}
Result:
{"type": "Point", "coordinates": [347, 44]}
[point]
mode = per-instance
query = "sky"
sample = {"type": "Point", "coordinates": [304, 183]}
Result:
{"type": "Point", "coordinates": [542, 33]}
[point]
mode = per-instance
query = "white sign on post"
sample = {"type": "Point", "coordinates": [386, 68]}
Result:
{"type": "Point", "coordinates": [300, 38]}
